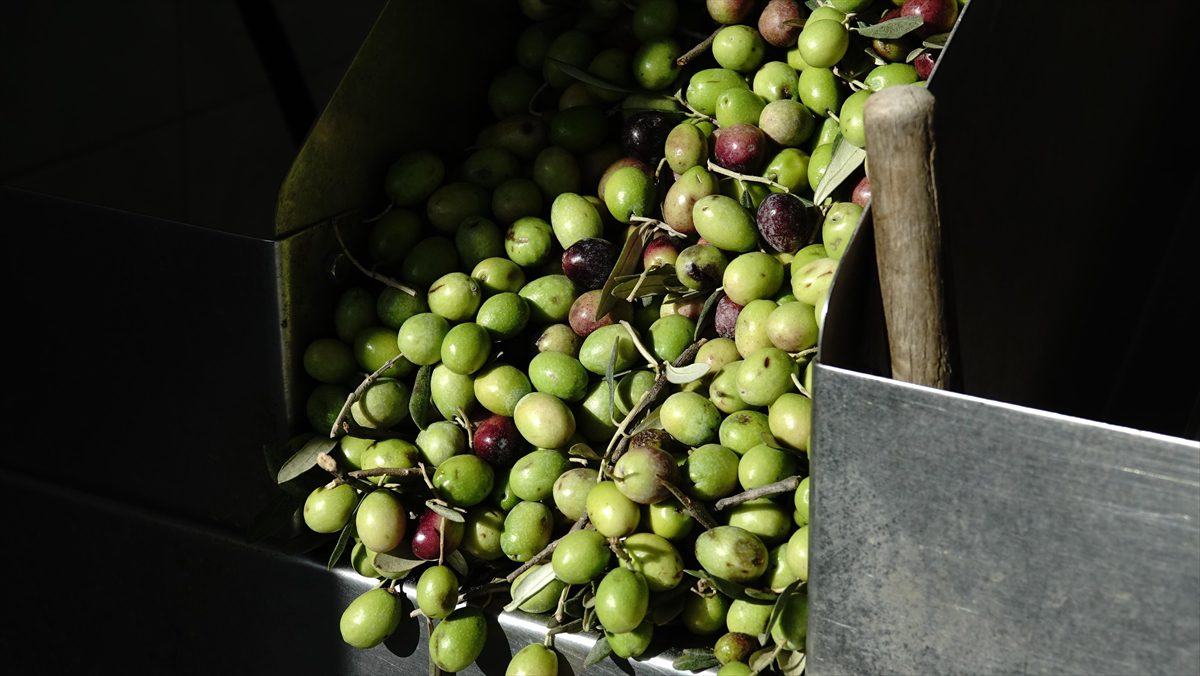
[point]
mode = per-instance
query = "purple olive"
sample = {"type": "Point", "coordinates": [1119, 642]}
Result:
{"type": "Point", "coordinates": [741, 148]}
{"type": "Point", "coordinates": [785, 223]}
{"type": "Point", "coordinates": [588, 262]}
{"type": "Point", "coordinates": [645, 135]}
{"type": "Point", "coordinates": [725, 317]}
{"type": "Point", "coordinates": [426, 541]}
{"type": "Point", "coordinates": [498, 441]}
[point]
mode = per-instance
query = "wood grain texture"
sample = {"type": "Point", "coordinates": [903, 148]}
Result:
{"type": "Point", "coordinates": [904, 204]}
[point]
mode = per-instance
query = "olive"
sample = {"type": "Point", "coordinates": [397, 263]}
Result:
{"type": "Point", "coordinates": [571, 489]}
{"type": "Point", "coordinates": [655, 558]}
{"type": "Point", "coordinates": [533, 475]}
{"type": "Point", "coordinates": [458, 640]}
{"type": "Point", "coordinates": [704, 615]}
{"type": "Point", "coordinates": [581, 557]}
{"type": "Point", "coordinates": [534, 659]}
{"type": "Point", "coordinates": [613, 514]}
{"type": "Point", "coordinates": [328, 510]}
{"type": "Point", "coordinates": [633, 643]}
{"type": "Point", "coordinates": [544, 420]}
{"type": "Point", "coordinates": [464, 480]}
{"type": "Point", "coordinates": [527, 530]}
{"type": "Point", "coordinates": [546, 599]}
{"type": "Point", "coordinates": [381, 521]}
{"type": "Point", "coordinates": [481, 538]}
{"type": "Point", "coordinates": [622, 598]}
{"type": "Point", "coordinates": [640, 472]}
{"type": "Point", "coordinates": [370, 618]}
{"type": "Point", "coordinates": [731, 553]}
{"type": "Point", "coordinates": [437, 591]}
{"type": "Point", "coordinates": [712, 471]}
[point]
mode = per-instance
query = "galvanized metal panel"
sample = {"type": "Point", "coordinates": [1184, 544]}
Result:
{"type": "Point", "coordinates": [956, 535]}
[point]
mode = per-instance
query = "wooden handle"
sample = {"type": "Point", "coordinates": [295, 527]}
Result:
{"type": "Point", "coordinates": [904, 206]}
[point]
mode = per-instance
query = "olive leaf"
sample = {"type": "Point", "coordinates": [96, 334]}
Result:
{"type": "Point", "coordinates": [583, 450]}
{"type": "Point", "coordinates": [599, 651]}
{"type": "Point", "coordinates": [797, 23]}
{"type": "Point", "coordinates": [812, 5]}
{"type": "Point", "coordinates": [445, 512]}
{"type": "Point", "coordinates": [458, 563]}
{"type": "Point", "coordinates": [784, 595]}
{"type": "Point", "coordinates": [340, 545]}
{"type": "Point", "coordinates": [695, 659]}
{"type": "Point", "coordinates": [610, 381]}
{"type": "Point", "coordinates": [734, 590]}
{"type": "Point", "coordinates": [652, 421]}
{"type": "Point", "coordinates": [846, 159]}
{"type": "Point", "coordinates": [912, 56]}
{"type": "Point", "coordinates": [792, 662]}
{"type": "Point", "coordinates": [650, 283]}
{"type": "Point", "coordinates": [936, 41]}
{"type": "Point", "coordinates": [588, 78]}
{"type": "Point", "coordinates": [305, 458]}
{"type": "Point", "coordinates": [420, 405]}
{"type": "Point", "coordinates": [681, 375]}
{"type": "Point", "coordinates": [707, 312]}
{"type": "Point", "coordinates": [394, 565]}
{"type": "Point", "coordinates": [631, 253]}
{"type": "Point", "coordinates": [892, 28]}
{"type": "Point", "coordinates": [761, 660]}
{"type": "Point", "coordinates": [533, 582]}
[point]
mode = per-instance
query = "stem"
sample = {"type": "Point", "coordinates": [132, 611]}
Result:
{"type": "Point", "coordinates": [781, 486]}
{"type": "Point", "coordinates": [380, 215]}
{"type": "Point", "coordinates": [327, 463]}
{"type": "Point", "coordinates": [546, 552]}
{"type": "Point", "coordinates": [716, 168]}
{"type": "Point", "coordinates": [385, 471]}
{"type": "Point", "coordinates": [696, 51]}
{"type": "Point", "coordinates": [353, 429]}
{"type": "Point", "coordinates": [800, 386]}
{"type": "Point", "coordinates": [692, 112]}
{"type": "Point", "coordinates": [358, 392]}
{"type": "Point", "coordinates": [562, 604]}
{"type": "Point", "coordinates": [637, 342]}
{"type": "Point", "coordinates": [533, 98]}
{"type": "Point", "coordinates": [615, 545]}
{"type": "Point", "coordinates": [697, 510]}
{"type": "Point", "coordinates": [370, 273]}
{"type": "Point", "coordinates": [657, 224]}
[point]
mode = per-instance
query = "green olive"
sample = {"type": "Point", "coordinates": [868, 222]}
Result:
{"type": "Point", "coordinates": [437, 591]}
{"type": "Point", "coordinates": [458, 640]}
{"type": "Point", "coordinates": [731, 553]}
{"type": "Point", "coordinates": [370, 618]}
{"type": "Point", "coordinates": [790, 419]}
{"type": "Point", "coordinates": [498, 388]}
{"type": "Point", "coordinates": [581, 557]}
{"type": "Point", "coordinates": [497, 275]}
{"type": "Point", "coordinates": [549, 298]}
{"type": "Point", "coordinates": [464, 480]}
{"type": "Point", "coordinates": [328, 510]}
{"type": "Point", "coordinates": [573, 218]}
{"type": "Point", "coordinates": [440, 441]}
{"type": "Point", "coordinates": [533, 474]}
{"type": "Point", "coordinates": [750, 329]}
{"type": "Point", "coordinates": [765, 518]}
{"type": "Point", "coordinates": [801, 501]}
{"type": "Point", "coordinates": [558, 374]}
{"type": "Point", "coordinates": [633, 643]}
{"type": "Point", "coordinates": [481, 537]}
{"type": "Point", "coordinates": [613, 514]}
{"type": "Point", "coordinates": [629, 192]}
{"type": "Point", "coordinates": [712, 471]}
{"type": "Point", "coordinates": [690, 418]}
{"type": "Point", "coordinates": [655, 558]}
{"type": "Point", "coordinates": [704, 615]}
{"type": "Point", "coordinates": [451, 392]}
{"type": "Point", "coordinates": [669, 519]}
{"type": "Point", "coordinates": [622, 598]}
{"type": "Point", "coordinates": [752, 276]}
{"type": "Point", "coordinates": [534, 659]}
{"type": "Point", "coordinates": [744, 430]}
{"type": "Point", "coordinates": [797, 553]}
{"type": "Point", "coordinates": [598, 347]}
{"type": "Point", "coordinates": [546, 599]}
{"type": "Point", "coordinates": [544, 420]}
{"type": "Point", "coordinates": [748, 617]}
{"type": "Point", "coordinates": [706, 85]}
{"type": "Point", "coordinates": [528, 241]}
{"type": "Point", "coordinates": [527, 530]}
{"type": "Point", "coordinates": [381, 521]}
{"type": "Point", "coordinates": [765, 375]}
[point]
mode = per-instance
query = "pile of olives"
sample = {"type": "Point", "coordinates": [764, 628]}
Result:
{"type": "Point", "coordinates": [576, 378]}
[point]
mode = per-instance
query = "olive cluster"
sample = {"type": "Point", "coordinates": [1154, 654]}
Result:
{"type": "Point", "coordinates": [587, 341]}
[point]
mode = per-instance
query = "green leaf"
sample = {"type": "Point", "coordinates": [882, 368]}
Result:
{"type": "Point", "coordinates": [599, 651]}
{"type": "Point", "coordinates": [420, 405]}
{"type": "Point", "coordinates": [912, 56]}
{"type": "Point", "coordinates": [305, 458]}
{"type": "Point", "coordinates": [458, 562]}
{"type": "Point", "coordinates": [734, 590]}
{"type": "Point", "coordinates": [533, 582]}
{"type": "Point", "coordinates": [340, 546]}
{"type": "Point", "coordinates": [847, 158]}
{"type": "Point", "coordinates": [784, 595]}
{"type": "Point", "coordinates": [446, 512]}
{"type": "Point", "coordinates": [652, 283]}
{"type": "Point", "coordinates": [812, 4]}
{"type": "Point", "coordinates": [695, 659]}
{"type": "Point", "coordinates": [651, 421]}
{"type": "Point", "coordinates": [681, 375]}
{"type": "Point", "coordinates": [587, 78]}
{"type": "Point", "coordinates": [892, 28]}
{"type": "Point", "coordinates": [798, 23]}
{"type": "Point", "coordinates": [631, 254]}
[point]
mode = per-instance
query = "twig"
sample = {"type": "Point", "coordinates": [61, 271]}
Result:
{"type": "Point", "coordinates": [615, 545]}
{"type": "Point", "coordinates": [327, 463]}
{"type": "Point", "coordinates": [380, 215]}
{"type": "Point", "coordinates": [637, 342]}
{"type": "Point", "coordinates": [716, 168]}
{"type": "Point", "coordinates": [358, 392]}
{"type": "Point", "coordinates": [370, 273]}
{"type": "Point", "coordinates": [385, 471]}
{"type": "Point", "coordinates": [692, 112]}
{"type": "Point", "coordinates": [694, 508]}
{"type": "Point", "coordinates": [800, 386]}
{"type": "Point", "coordinates": [658, 225]}
{"type": "Point", "coordinates": [546, 551]}
{"type": "Point", "coordinates": [351, 428]}
{"type": "Point", "coordinates": [781, 486]}
{"type": "Point", "coordinates": [699, 49]}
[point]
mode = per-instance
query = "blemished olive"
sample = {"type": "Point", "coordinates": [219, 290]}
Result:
{"type": "Point", "coordinates": [734, 647]}
{"type": "Point", "coordinates": [640, 472]}
{"type": "Point", "coordinates": [437, 591]}
{"type": "Point", "coordinates": [656, 559]}
{"type": "Point", "coordinates": [744, 430]}
{"type": "Point", "coordinates": [731, 553]}
{"type": "Point", "coordinates": [765, 375]}
{"type": "Point", "coordinates": [528, 241]}
{"type": "Point", "coordinates": [722, 391]}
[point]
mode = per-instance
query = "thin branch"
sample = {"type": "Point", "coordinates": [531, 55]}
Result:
{"type": "Point", "coordinates": [337, 231]}
{"type": "Point", "coordinates": [353, 429]}
{"type": "Point", "coordinates": [358, 392]}
{"type": "Point", "coordinates": [699, 49]}
{"type": "Point", "coordinates": [716, 168]}
{"type": "Point", "coordinates": [781, 486]}
{"type": "Point", "coordinates": [692, 112]}
{"type": "Point", "coordinates": [697, 510]}
{"type": "Point", "coordinates": [658, 225]}
{"type": "Point", "coordinates": [385, 471]}
{"type": "Point", "coordinates": [546, 552]}
{"type": "Point", "coordinates": [637, 342]}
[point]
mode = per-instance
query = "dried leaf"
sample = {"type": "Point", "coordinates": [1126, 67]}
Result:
{"type": "Point", "coordinates": [792, 662]}
{"type": "Point", "coordinates": [847, 158]}
{"type": "Point", "coordinates": [912, 56]}
{"type": "Point", "coordinates": [693, 508]}
{"type": "Point", "coordinates": [305, 458]}
{"type": "Point", "coordinates": [584, 451]}
{"type": "Point", "coordinates": [599, 651]}
{"type": "Point", "coordinates": [652, 283]}
{"type": "Point", "coordinates": [446, 512]}
{"type": "Point", "coordinates": [681, 375]}
{"type": "Point", "coordinates": [533, 582]}
{"type": "Point", "coordinates": [695, 659]}
{"type": "Point", "coordinates": [420, 405]}
{"type": "Point", "coordinates": [392, 564]}
{"type": "Point", "coordinates": [588, 78]}
{"type": "Point", "coordinates": [631, 254]}
{"type": "Point", "coordinates": [892, 28]}
{"type": "Point", "coordinates": [936, 41]}
{"type": "Point", "coordinates": [761, 660]}
{"type": "Point", "coordinates": [734, 590]}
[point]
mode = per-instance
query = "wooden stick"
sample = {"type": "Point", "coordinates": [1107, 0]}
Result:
{"type": "Point", "coordinates": [904, 205]}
